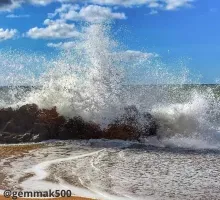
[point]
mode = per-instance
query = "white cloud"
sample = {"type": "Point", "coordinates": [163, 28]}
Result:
{"type": "Point", "coordinates": [7, 34]}
{"type": "Point", "coordinates": [160, 4]}
{"type": "Point", "coordinates": [61, 28]}
{"type": "Point", "coordinates": [8, 5]}
{"type": "Point", "coordinates": [64, 9]}
{"type": "Point", "coordinates": [46, 2]}
{"type": "Point", "coordinates": [90, 13]}
{"type": "Point", "coordinates": [17, 16]}
{"type": "Point", "coordinates": [62, 45]}
{"type": "Point", "coordinates": [154, 4]}
{"type": "Point", "coordinates": [40, 2]}
{"type": "Point", "coordinates": [57, 29]}
{"type": "Point", "coordinates": [175, 4]}
{"type": "Point", "coordinates": [125, 3]}
{"type": "Point", "coordinates": [93, 13]}
{"type": "Point", "coordinates": [130, 55]}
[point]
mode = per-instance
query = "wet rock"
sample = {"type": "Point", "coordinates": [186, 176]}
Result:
{"type": "Point", "coordinates": [50, 117]}
{"type": "Point", "coordinates": [52, 121]}
{"type": "Point", "coordinates": [25, 117]}
{"type": "Point", "coordinates": [39, 138]}
{"type": "Point", "coordinates": [9, 138]}
{"type": "Point", "coordinates": [5, 116]}
{"type": "Point", "coordinates": [1, 139]}
{"type": "Point", "coordinates": [132, 125]}
{"type": "Point", "coordinates": [77, 128]}
{"type": "Point", "coordinates": [121, 132]}
{"type": "Point", "coordinates": [31, 124]}
{"type": "Point", "coordinates": [36, 138]}
{"type": "Point", "coordinates": [150, 125]}
{"type": "Point", "coordinates": [18, 121]}
{"type": "Point", "coordinates": [25, 138]}
{"type": "Point", "coordinates": [40, 133]}
{"type": "Point", "coordinates": [39, 128]}
{"type": "Point", "coordinates": [11, 127]}
{"type": "Point", "coordinates": [14, 138]}
{"type": "Point", "coordinates": [15, 124]}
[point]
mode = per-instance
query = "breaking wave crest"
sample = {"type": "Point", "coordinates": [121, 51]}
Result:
{"type": "Point", "coordinates": [98, 78]}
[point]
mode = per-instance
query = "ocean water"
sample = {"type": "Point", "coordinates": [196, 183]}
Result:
{"type": "Point", "coordinates": [96, 80]}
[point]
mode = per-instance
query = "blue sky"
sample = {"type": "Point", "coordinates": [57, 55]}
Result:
{"type": "Point", "coordinates": [181, 32]}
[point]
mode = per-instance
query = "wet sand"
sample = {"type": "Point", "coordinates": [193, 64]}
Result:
{"type": "Point", "coordinates": [19, 151]}
{"type": "Point", "coordinates": [2, 177]}
{"type": "Point", "coordinates": [7, 151]}
{"type": "Point", "coordinates": [107, 170]}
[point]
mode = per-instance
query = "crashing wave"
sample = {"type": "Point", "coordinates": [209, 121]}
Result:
{"type": "Point", "coordinates": [91, 80]}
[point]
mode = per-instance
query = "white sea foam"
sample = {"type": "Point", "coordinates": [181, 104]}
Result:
{"type": "Point", "coordinates": [115, 172]}
{"type": "Point", "coordinates": [50, 162]}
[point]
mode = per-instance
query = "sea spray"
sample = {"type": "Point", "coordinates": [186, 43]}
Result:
{"type": "Point", "coordinates": [96, 79]}
{"type": "Point", "coordinates": [193, 123]}
{"type": "Point", "coordinates": [84, 81]}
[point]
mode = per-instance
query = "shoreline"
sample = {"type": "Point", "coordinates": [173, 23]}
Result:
{"type": "Point", "coordinates": [10, 151]}
{"type": "Point", "coordinates": [7, 151]}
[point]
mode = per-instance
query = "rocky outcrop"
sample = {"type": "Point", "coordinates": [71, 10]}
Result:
{"type": "Point", "coordinates": [77, 128]}
{"type": "Point", "coordinates": [25, 124]}
{"type": "Point", "coordinates": [18, 121]}
{"type": "Point", "coordinates": [14, 138]}
{"type": "Point", "coordinates": [31, 124]}
{"type": "Point", "coordinates": [132, 125]}
{"type": "Point", "coordinates": [50, 120]}
{"type": "Point", "coordinates": [121, 132]}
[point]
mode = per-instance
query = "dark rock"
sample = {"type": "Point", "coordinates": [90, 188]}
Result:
{"type": "Point", "coordinates": [25, 117]}
{"type": "Point", "coordinates": [132, 125]}
{"type": "Point", "coordinates": [18, 125]}
{"type": "Point", "coordinates": [77, 128]}
{"type": "Point", "coordinates": [40, 128]}
{"type": "Point", "coordinates": [14, 138]}
{"type": "Point", "coordinates": [5, 116]}
{"type": "Point", "coordinates": [121, 132]}
{"type": "Point", "coordinates": [52, 121]}
{"type": "Point", "coordinates": [18, 121]}
{"type": "Point", "coordinates": [150, 126]}
{"type": "Point", "coordinates": [38, 138]}
{"type": "Point", "coordinates": [12, 127]}
{"type": "Point", "coordinates": [1, 139]}
{"type": "Point", "coordinates": [31, 124]}
{"type": "Point", "coordinates": [9, 138]}
{"type": "Point", "coordinates": [50, 117]}
{"type": "Point", "coordinates": [40, 133]}
{"type": "Point", "coordinates": [25, 137]}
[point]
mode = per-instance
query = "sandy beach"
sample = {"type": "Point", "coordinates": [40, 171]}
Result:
{"type": "Point", "coordinates": [19, 151]}
{"type": "Point", "coordinates": [7, 151]}
{"type": "Point", "coordinates": [112, 170]}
